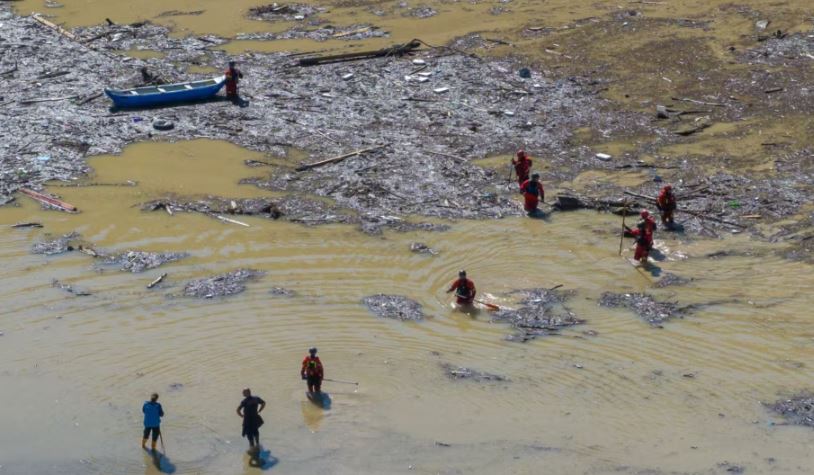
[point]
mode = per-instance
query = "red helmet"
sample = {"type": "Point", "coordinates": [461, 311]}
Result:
{"type": "Point", "coordinates": [644, 213]}
{"type": "Point", "coordinates": [521, 153]}
{"type": "Point", "coordinates": [668, 188]}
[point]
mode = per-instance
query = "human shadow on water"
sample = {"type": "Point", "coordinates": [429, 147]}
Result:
{"type": "Point", "coordinates": [539, 214]}
{"type": "Point", "coordinates": [321, 400]}
{"type": "Point", "coordinates": [657, 255]}
{"type": "Point", "coordinates": [262, 459]}
{"type": "Point", "coordinates": [161, 462]}
{"type": "Point", "coordinates": [651, 268]}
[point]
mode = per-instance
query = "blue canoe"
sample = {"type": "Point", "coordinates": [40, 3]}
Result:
{"type": "Point", "coordinates": [166, 93]}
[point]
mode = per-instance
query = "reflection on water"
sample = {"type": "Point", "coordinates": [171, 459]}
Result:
{"type": "Point", "coordinates": [581, 401]}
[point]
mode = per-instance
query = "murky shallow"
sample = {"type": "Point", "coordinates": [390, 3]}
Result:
{"type": "Point", "coordinates": [75, 370]}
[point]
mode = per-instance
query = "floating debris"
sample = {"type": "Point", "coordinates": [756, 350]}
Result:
{"type": "Point", "coordinates": [460, 372]}
{"type": "Point", "coordinates": [537, 315]}
{"type": "Point", "coordinates": [645, 306]}
{"type": "Point", "coordinates": [222, 285]}
{"type": "Point", "coordinates": [66, 243]}
{"type": "Point", "coordinates": [797, 410]}
{"type": "Point", "coordinates": [421, 248]}
{"type": "Point", "coordinates": [281, 292]}
{"type": "Point", "coordinates": [139, 261]}
{"type": "Point", "coordinates": [69, 288]}
{"type": "Point", "coordinates": [396, 307]}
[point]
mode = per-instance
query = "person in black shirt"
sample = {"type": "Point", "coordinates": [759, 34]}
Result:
{"type": "Point", "coordinates": [250, 409]}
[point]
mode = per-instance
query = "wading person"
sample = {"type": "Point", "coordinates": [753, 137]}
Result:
{"type": "Point", "coordinates": [233, 76]}
{"type": "Point", "coordinates": [644, 236]}
{"type": "Point", "coordinates": [666, 203]}
{"type": "Point", "coordinates": [250, 409]}
{"type": "Point", "coordinates": [153, 412]}
{"type": "Point", "coordinates": [312, 371]}
{"type": "Point", "coordinates": [533, 192]}
{"type": "Point", "coordinates": [522, 166]}
{"type": "Point", "coordinates": [464, 289]}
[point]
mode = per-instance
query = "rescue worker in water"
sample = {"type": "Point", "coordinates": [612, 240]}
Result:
{"type": "Point", "coordinates": [464, 289]}
{"type": "Point", "coordinates": [522, 166]}
{"type": "Point", "coordinates": [532, 189]}
{"type": "Point", "coordinates": [233, 76]}
{"type": "Point", "coordinates": [666, 203]}
{"type": "Point", "coordinates": [312, 371]}
{"type": "Point", "coordinates": [643, 235]}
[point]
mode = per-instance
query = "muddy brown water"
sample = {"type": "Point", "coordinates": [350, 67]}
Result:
{"type": "Point", "coordinates": [75, 370]}
{"type": "Point", "coordinates": [629, 399]}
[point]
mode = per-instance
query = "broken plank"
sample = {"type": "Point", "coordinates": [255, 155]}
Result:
{"type": "Point", "coordinates": [337, 159]}
{"type": "Point", "coordinates": [51, 201]}
{"type": "Point", "coordinates": [694, 101]}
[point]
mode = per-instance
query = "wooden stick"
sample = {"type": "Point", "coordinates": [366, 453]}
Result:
{"type": "Point", "coordinates": [90, 98]}
{"type": "Point", "coordinates": [447, 155]}
{"type": "Point", "coordinates": [53, 26]}
{"type": "Point", "coordinates": [48, 99]}
{"type": "Point", "coordinates": [687, 99]}
{"type": "Point", "coordinates": [353, 32]}
{"type": "Point", "coordinates": [157, 281]}
{"type": "Point", "coordinates": [488, 305]}
{"type": "Point", "coordinates": [27, 225]}
{"type": "Point", "coordinates": [622, 236]}
{"type": "Point", "coordinates": [49, 200]}
{"type": "Point", "coordinates": [337, 159]}
{"type": "Point", "coordinates": [233, 221]}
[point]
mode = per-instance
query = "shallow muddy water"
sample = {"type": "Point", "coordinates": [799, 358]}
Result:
{"type": "Point", "coordinates": [613, 395]}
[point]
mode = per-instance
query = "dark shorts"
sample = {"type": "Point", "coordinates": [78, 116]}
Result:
{"type": "Point", "coordinates": [154, 430]}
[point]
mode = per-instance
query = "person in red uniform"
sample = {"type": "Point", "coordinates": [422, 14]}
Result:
{"type": "Point", "coordinates": [666, 203]}
{"type": "Point", "coordinates": [464, 289]}
{"type": "Point", "coordinates": [233, 75]}
{"type": "Point", "coordinates": [644, 236]}
{"type": "Point", "coordinates": [312, 371]}
{"type": "Point", "coordinates": [532, 190]}
{"type": "Point", "coordinates": [522, 166]}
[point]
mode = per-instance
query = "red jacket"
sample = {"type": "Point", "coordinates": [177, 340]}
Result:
{"type": "Point", "coordinates": [533, 188]}
{"type": "Point", "coordinates": [464, 288]}
{"type": "Point", "coordinates": [522, 166]}
{"type": "Point", "coordinates": [666, 202]}
{"type": "Point", "coordinates": [312, 367]}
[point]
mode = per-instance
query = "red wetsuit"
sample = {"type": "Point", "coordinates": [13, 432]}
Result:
{"type": "Point", "coordinates": [313, 373]}
{"type": "Point", "coordinates": [667, 204]}
{"type": "Point", "coordinates": [522, 166]}
{"type": "Point", "coordinates": [233, 75]}
{"type": "Point", "coordinates": [531, 191]}
{"type": "Point", "coordinates": [464, 291]}
{"type": "Point", "coordinates": [644, 238]}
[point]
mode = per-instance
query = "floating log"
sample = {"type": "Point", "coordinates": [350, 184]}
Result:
{"type": "Point", "coordinates": [27, 225]}
{"type": "Point", "coordinates": [54, 26]}
{"type": "Point", "coordinates": [49, 200]}
{"type": "Point", "coordinates": [397, 50]}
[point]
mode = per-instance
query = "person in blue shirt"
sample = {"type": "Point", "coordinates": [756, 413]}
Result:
{"type": "Point", "coordinates": [153, 412]}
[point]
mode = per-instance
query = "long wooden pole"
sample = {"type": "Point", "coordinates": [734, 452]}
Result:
{"type": "Point", "coordinates": [622, 236]}
{"type": "Point", "coordinates": [337, 159]}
